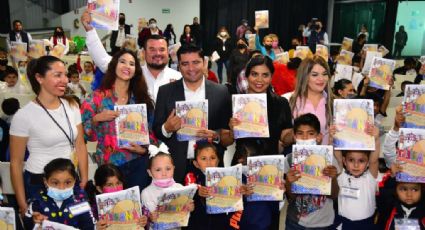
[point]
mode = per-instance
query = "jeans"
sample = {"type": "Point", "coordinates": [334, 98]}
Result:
{"type": "Point", "coordinates": [135, 172]}
{"type": "Point", "coordinates": [220, 64]}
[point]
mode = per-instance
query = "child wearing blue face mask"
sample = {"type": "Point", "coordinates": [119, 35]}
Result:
{"type": "Point", "coordinates": [61, 201]}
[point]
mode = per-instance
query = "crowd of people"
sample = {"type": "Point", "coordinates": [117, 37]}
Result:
{"type": "Point", "coordinates": [46, 138]}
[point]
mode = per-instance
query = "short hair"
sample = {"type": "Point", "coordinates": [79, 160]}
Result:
{"type": "Point", "coordinates": [190, 48]}
{"type": "Point", "coordinates": [16, 21]}
{"type": "Point", "coordinates": [10, 71]}
{"type": "Point", "coordinates": [307, 119]}
{"type": "Point", "coordinates": [341, 85]}
{"type": "Point", "coordinates": [152, 20]}
{"type": "Point", "coordinates": [201, 145]}
{"type": "Point", "coordinates": [410, 61]}
{"type": "Point", "coordinates": [60, 165]}
{"type": "Point", "coordinates": [375, 98]}
{"type": "Point", "coordinates": [10, 106]}
{"type": "Point", "coordinates": [259, 60]}
{"type": "Point", "coordinates": [154, 37]}
{"type": "Point", "coordinates": [72, 72]}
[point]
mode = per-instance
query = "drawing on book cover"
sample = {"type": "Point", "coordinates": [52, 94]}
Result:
{"type": "Point", "coordinates": [194, 117]}
{"type": "Point", "coordinates": [132, 125]}
{"type": "Point", "coordinates": [7, 218]}
{"type": "Point", "coordinates": [411, 155]}
{"type": "Point", "coordinates": [414, 106]}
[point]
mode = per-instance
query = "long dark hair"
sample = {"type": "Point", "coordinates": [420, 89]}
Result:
{"type": "Point", "coordinates": [170, 29]}
{"type": "Point", "coordinates": [137, 88]}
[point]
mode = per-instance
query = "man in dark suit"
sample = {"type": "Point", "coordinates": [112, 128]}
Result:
{"type": "Point", "coordinates": [118, 36]}
{"type": "Point", "coordinates": [193, 86]}
{"type": "Point", "coordinates": [18, 35]}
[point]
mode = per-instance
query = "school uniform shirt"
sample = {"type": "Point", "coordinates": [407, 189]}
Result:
{"type": "Point", "coordinates": [60, 211]}
{"type": "Point", "coordinates": [349, 207]}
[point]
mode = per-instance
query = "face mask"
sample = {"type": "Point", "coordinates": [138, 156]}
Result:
{"type": "Point", "coordinates": [112, 189]}
{"type": "Point", "coordinates": [152, 25]}
{"type": "Point", "coordinates": [163, 183]}
{"type": "Point", "coordinates": [245, 24]}
{"type": "Point", "coordinates": [351, 95]}
{"type": "Point", "coordinates": [22, 70]}
{"type": "Point", "coordinates": [275, 44]}
{"type": "Point", "coordinates": [306, 142]}
{"type": "Point", "coordinates": [268, 47]}
{"type": "Point", "coordinates": [223, 34]}
{"type": "Point", "coordinates": [241, 46]}
{"type": "Point", "coordinates": [59, 194]}
{"type": "Point", "coordinates": [121, 21]}
{"type": "Point", "coordinates": [4, 62]}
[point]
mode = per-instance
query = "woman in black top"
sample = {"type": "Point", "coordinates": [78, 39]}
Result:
{"type": "Point", "coordinates": [237, 61]}
{"type": "Point", "coordinates": [170, 35]}
{"type": "Point", "coordinates": [186, 37]}
{"type": "Point", "coordinates": [223, 46]}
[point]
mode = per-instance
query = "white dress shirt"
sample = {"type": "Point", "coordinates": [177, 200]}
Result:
{"type": "Point", "coordinates": [18, 38]}
{"type": "Point", "coordinates": [120, 37]}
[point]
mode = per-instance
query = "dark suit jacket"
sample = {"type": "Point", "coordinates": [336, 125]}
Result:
{"type": "Point", "coordinates": [115, 34]}
{"type": "Point", "coordinates": [219, 113]}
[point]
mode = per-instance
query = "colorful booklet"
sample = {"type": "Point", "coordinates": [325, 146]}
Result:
{"type": "Point", "coordinates": [381, 73]}
{"type": "Point", "coordinates": [120, 209]}
{"type": "Point", "coordinates": [302, 52]}
{"type": "Point", "coordinates": [58, 51]}
{"type": "Point", "coordinates": [194, 117]}
{"type": "Point", "coordinates": [7, 218]}
{"type": "Point", "coordinates": [322, 51]}
{"type": "Point", "coordinates": [172, 207]}
{"type": "Point", "coordinates": [351, 119]}
{"type": "Point", "coordinates": [343, 72]}
{"type": "Point", "coordinates": [18, 51]}
{"type": "Point", "coordinates": [132, 125]}
{"type": "Point", "coordinates": [266, 174]}
{"type": "Point", "coordinates": [370, 47]}
{"type": "Point", "coordinates": [50, 225]}
{"type": "Point", "coordinates": [411, 155]}
{"type": "Point", "coordinates": [414, 106]}
{"type": "Point", "coordinates": [36, 49]}
{"type": "Point", "coordinates": [310, 160]}
{"type": "Point", "coordinates": [345, 57]}
{"type": "Point", "coordinates": [282, 57]}
{"type": "Point", "coordinates": [251, 111]}
{"type": "Point", "coordinates": [262, 19]}
{"type": "Point", "coordinates": [368, 61]}
{"type": "Point", "coordinates": [383, 50]}
{"type": "Point", "coordinates": [104, 13]}
{"type": "Point", "coordinates": [225, 184]}
{"type": "Point", "coordinates": [251, 41]}
{"type": "Point", "coordinates": [347, 44]}
{"type": "Point", "coordinates": [173, 51]}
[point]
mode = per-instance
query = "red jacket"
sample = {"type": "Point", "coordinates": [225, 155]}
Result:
{"type": "Point", "coordinates": [283, 79]}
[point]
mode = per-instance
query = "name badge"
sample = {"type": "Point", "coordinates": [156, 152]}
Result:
{"type": "Point", "coordinates": [406, 224]}
{"type": "Point", "coordinates": [350, 192]}
{"type": "Point", "coordinates": [80, 208]}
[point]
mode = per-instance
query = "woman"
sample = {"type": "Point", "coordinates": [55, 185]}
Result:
{"type": "Point", "coordinates": [170, 35]}
{"type": "Point", "coordinates": [59, 37]}
{"type": "Point", "coordinates": [122, 84]}
{"type": "Point", "coordinates": [344, 89]}
{"type": "Point", "coordinates": [259, 71]}
{"type": "Point", "coordinates": [49, 126]}
{"type": "Point", "coordinates": [223, 46]}
{"type": "Point", "coordinates": [312, 94]}
{"type": "Point", "coordinates": [186, 37]}
{"type": "Point", "coordinates": [237, 61]}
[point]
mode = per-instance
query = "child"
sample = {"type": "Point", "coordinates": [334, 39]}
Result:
{"type": "Point", "coordinates": [107, 178]}
{"type": "Point", "coordinates": [358, 185]}
{"type": "Point", "coordinates": [74, 86]}
{"type": "Point", "coordinates": [406, 202]}
{"type": "Point", "coordinates": [88, 73]}
{"type": "Point", "coordinates": [307, 211]}
{"type": "Point", "coordinates": [161, 169]}
{"type": "Point", "coordinates": [9, 107]}
{"type": "Point", "coordinates": [12, 85]}
{"type": "Point", "coordinates": [205, 156]}
{"type": "Point", "coordinates": [57, 202]}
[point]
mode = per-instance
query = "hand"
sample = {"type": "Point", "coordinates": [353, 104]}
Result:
{"type": "Point", "coordinates": [234, 122]}
{"type": "Point", "coordinates": [37, 217]}
{"type": "Point", "coordinates": [142, 221]}
{"type": "Point", "coordinates": [332, 130]}
{"type": "Point", "coordinates": [366, 81]}
{"type": "Point", "coordinates": [204, 191]}
{"type": "Point", "coordinates": [399, 118]}
{"type": "Point", "coordinates": [282, 186]}
{"type": "Point", "coordinates": [86, 20]}
{"type": "Point", "coordinates": [330, 171]}
{"type": "Point", "coordinates": [247, 189]}
{"type": "Point", "coordinates": [173, 122]}
{"type": "Point", "coordinates": [83, 183]}
{"type": "Point", "coordinates": [207, 134]}
{"type": "Point", "coordinates": [395, 168]}
{"type": "Point", "coordinates": [135, 148]}
{"type": "Point", "coordinates": [293, 175]}
{"type": "Point", "coordinates": [102, 225]}
{"type": "Point", "coordinates": [391, 82]}
{"type": "Point", "coordinates": [190, 206]}
{"type": "Point", "coordinates": [154, 216]}
{"type": "Point", "coordinates": [106, 115]}
{"type": "Point", "coordinates": [22, 210]}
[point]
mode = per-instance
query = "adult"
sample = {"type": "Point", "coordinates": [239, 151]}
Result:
{"type": "Point", "coordinates": [59, 37]}
{"type": "Point", "coordinates": [61, 117]}
{"type": "Point", "coordinates": [313, 94]}
{"type": "Point", "coordinates": [118, 36]}
{"type": "Point", "coordinates": [4, 67]}
{"type": "Point", "coordinates": [363, 30]}
{"type": "Point", "coordinates": [156, 72]}
{"type": "Point", "coordinates": [146, 32]}
{"type": "Point", "coordinates": [267, 47]}
{"type": "Point", "coordinates": [187, 38]}
{"type": "Point", "coordinates": [170, 35]}
{"type": "Point", "coordinates": [223, 46]}
{"type": "Point", "coordinates": [123, 84]}
{"type": "Point", "coordinates": [193, 86]}
{"type": "Point", "coordinates": [240, 31]}
{"type": "Point", "coordinates": [196, 31]}
{"type": "Point", "coordinates": [400, 41]}
{"type": "Point", "coordinates": [18, 35]}
{"type": "Point", "coordinates": [316, 35]}
{"type": "Point", "coordinates": [237, 61]}
{"type": "Point", "coordinates": [358, 44]}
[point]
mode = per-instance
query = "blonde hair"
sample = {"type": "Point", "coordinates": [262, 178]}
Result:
{"type": "Point", "coordinates": [268, 36]}
{"type": "Point", "coordinates": [301, 90]}
{"type": "Point", "coordinates": [273, 37]}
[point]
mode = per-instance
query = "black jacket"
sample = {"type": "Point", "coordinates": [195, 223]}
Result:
{"type": "Point", "coordinates": [114, 35]}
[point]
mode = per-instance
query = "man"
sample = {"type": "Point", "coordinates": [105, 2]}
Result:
{"type": "Point", "coordinates": [118, 36]}
{"type": "Point", "coordinates": [196, 31]}
{"type": "Point", "coordinates": [316, 35]}
{"type": "Point", "coordinates": [18, 35]}
{"type": "Point", "coordinates": [193, 86]}
{"type": "Point", "coordinates": [400, 42]}
{"type": "Point", "coordinates": [240, 31]}
{"type": "Point", "coordinates": [156, 71]}
{"type": "Point", "coordinates": [146, 32]}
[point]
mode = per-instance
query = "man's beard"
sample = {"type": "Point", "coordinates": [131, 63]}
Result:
{"type": "Point", "coordinates": [156, 66]}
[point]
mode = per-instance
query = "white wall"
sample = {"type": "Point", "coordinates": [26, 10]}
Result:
{"type": "Point", "coordinates": [181, 13]}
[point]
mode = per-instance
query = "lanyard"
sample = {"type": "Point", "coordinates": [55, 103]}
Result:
{"type": "Point", "coordinates": [69, 137]}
